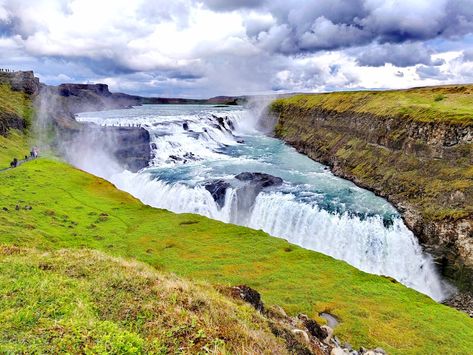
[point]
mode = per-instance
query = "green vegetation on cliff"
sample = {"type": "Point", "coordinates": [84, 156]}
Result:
{"type": "Point", "coordinates": [16, 111]}
{"type": "Point", "coordinates": [72, 209]}
{"type": "Point", "coordinates": [452, 103]}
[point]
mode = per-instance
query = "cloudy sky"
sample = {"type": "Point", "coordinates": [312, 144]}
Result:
{"type": "Point", "coordinates": [203, 48]}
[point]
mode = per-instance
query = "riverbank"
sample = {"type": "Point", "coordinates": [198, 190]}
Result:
{"type": "Point", "coordinates": [413, 147]}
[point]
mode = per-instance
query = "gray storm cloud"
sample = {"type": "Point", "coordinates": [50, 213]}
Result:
{"type": "Point", "coordinates": [210, 47]}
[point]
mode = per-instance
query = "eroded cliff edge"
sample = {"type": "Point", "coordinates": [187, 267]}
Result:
{"type": "Point", "coordinates": [414, 147]}
{"type": "Point", "coordinates": [128, 146]}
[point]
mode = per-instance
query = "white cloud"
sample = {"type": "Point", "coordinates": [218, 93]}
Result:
{"type": "Point", "coordinates": [203, 48]}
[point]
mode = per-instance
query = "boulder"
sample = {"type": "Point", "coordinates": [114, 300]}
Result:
{"type": "Point", "coordinates": [260, 179]}
{"type": "Point", "coordinates": [254, 183]}
{"type": "Point", "coordinates": [313, 327]}
{"type": "Point", "coordinates": [218, 189]}
{"type": "Point", "coordinates": [248, 295]}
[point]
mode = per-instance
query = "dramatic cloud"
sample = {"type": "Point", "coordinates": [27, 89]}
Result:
{"type": "Point", "coordinates": [400, 55]}
{"type": "Point", "coordinates": [225, 5]}
{"type": "Point", "coordinates": [210, 47]}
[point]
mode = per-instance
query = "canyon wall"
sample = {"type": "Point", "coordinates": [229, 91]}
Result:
{"type": "Point", "coordinates": [128, 146]}
{"type": "Point", "coordinates": [422, 163]}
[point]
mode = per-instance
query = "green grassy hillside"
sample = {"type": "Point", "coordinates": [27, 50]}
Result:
{"type": "Point", "coordinates": [430, 104]}
{"type": "Point", "coordinates": [88, 302]}
{"type": "Point", "coordinates": [72, 209]}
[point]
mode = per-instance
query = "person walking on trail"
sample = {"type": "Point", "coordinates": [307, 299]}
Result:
{"type": "Point", "coordinates": [14, 163]}
{"type": "Point", "coordinates": [34, 152]}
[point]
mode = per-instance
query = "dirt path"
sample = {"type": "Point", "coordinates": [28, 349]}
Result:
{"type": "Point", "coordinates": [19, 163]}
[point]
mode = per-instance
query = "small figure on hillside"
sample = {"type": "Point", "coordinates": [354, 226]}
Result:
{"type": "Point", "coordinates": [34, 152]}
{"type": "Point", "coordinates": [14, 163]}
{"type": "Point", "coordinates": [26, 157]}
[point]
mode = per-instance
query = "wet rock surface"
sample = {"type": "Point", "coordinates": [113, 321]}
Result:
{"type": "Point", "coordinates": [218, 189]}
{"type": "Point", "coordinates": [260, 179]}
{"type": "Point", "coordinates": [248, 187]}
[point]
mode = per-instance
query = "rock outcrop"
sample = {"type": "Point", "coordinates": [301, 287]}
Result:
{"type": "Point", "coordinates": [301, 334]}
{"type": "Point", "coordinates": [21, 81]}
{"type": "Point", "coordinates": [248, 186]}
{"type": "Point", "coordinates": [424, 167]}
{"type": "Point", "coordinates": [129, 146]}
{"type": "Point", "coordinates": [18, 115]}
{"type": "Point", "coordinates": [218, 189]}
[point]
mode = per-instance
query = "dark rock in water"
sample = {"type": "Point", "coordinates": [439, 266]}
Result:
{"type": "Point", "coordinates": [260, 179]}
{"type": "Point", "coordinates": [190, 156]}
{"type": "Point", "coordinates": [220, 120]}
{"type": "Point", "coordinates": [217, 189]}
{"type": "Point", "coordinates": [224, 122]}
{"type": "Point", "coordinates": [240, 141]}
{"type": "Point", "coordinates": [175, 158]}
{"type": "Point", "coordinates": [214, 125]}
{"type": "Point", "coordinates": [248, 295]}
{"type": "Point", "coordinates": [185, 126]}
{"type": "Point", "coordinates": [230, 124]}
{"type": "Point", "coordinates": [254, 183]}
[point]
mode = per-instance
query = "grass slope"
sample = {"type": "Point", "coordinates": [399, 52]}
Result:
{"type": "Point", "coordinates": [88, 302]}
{"type": "Point", "coordinates": [72, 209]}
{"type": "Point", "coordinates": [430, 104]}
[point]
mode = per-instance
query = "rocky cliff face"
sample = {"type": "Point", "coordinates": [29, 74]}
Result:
{"type": "Point", "coordinates": [21, 81]}
{"type": "Point", "coordinates": [424, 168]}
{"type": "Point", "coordinates": [16, 111]}
{"type": "Point", "coordinates": [129, 146]}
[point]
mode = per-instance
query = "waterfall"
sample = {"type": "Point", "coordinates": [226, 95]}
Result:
{"type": "Point", "coordinates": [312, 208]}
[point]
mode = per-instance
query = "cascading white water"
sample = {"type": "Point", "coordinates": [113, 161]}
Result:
{"type": "Point", "coordinates": [193, 145]}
